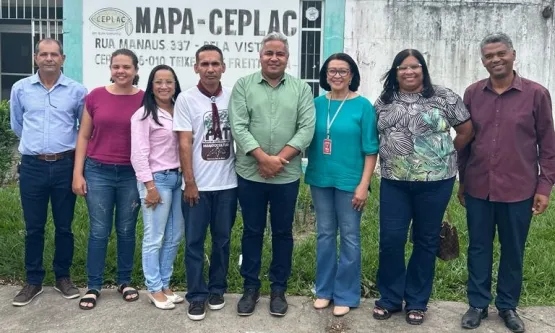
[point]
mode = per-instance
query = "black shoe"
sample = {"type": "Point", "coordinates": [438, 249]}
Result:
{"type": "Point", "coordinates": [473, 317]}
{"type": "Point", "coordinates": [512, 320]}
{"type": "Point", "coordinates": [278, 303]}
{"type": "Point", "coordinates": [27, 294]}
{"type": "Point", "coordinates": [67, 288]}
{"type": "Point", "coordinates": [197, 310]}
{"type": "Point", "coordinates": [216, 302]}
{"type": "Point", "coordinates": [247, 303]}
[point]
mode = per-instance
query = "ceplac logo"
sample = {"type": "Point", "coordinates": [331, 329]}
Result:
{"type": "Point", "coordinates": [112, 19]}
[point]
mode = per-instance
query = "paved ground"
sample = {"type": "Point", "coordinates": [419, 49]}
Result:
{"type": "Point", "coordinates": [49, 312]}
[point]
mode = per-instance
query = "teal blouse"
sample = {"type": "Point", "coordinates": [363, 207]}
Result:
{"type": "Point", "coordinates": [353, 135]}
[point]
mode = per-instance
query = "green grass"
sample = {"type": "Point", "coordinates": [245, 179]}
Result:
{"type": "Point", "coordinates": [450, 280]}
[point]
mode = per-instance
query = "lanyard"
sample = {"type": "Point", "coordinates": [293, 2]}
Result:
{"type": "Point", "coordinates": [335, 115]}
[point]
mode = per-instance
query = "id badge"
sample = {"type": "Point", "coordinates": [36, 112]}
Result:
{"type": "Point", "coordinates": [327, 146]}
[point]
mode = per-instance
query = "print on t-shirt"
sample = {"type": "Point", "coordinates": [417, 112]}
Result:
{"type": "Point", "coordinates": [215, 148]}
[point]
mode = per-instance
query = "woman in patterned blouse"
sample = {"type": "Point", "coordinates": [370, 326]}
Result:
{"type": "Point", "coordinates": [418, 167]}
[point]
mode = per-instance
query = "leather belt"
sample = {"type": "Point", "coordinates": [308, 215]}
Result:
{"type": "Point", "coordinates": [55, 157]}
{"type": "Point", "coordinates": [173, 170]}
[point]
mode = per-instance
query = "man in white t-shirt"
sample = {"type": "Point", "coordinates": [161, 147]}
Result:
{"type": "Point", "coordinates": [210, 183]}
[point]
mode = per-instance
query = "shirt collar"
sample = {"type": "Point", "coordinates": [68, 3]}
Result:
{"type": "Point", "coordinates": [62, 79]}
{"type": "Point", "coordinates": [164, 114]}
{"type": "Point", "coordinates": [516, 84]}
{"type": "Point", "coordinates": [261, 79]}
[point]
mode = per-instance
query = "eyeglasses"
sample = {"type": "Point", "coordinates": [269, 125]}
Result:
{"type": "Point", "coordinates": [342, 72]}
{"type": "Point", "coordinates": [413, 68]}
{"type": "Point", "coordinates": [167, 83]}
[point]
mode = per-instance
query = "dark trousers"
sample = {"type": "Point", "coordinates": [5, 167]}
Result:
{"type": "Point", "coordinates": [218, 210]}
{"type": "Point", "coordinates": [41, 182]}
{"type": "Point", "coordinates": [513, 222]}
{"type": "Point", "coordinates": [400, 202]}
{"type": "Point", "coordinates": [254, 198]}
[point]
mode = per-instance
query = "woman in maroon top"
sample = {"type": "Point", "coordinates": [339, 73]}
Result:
{"type": "Point", "coordinates": [104, 176]}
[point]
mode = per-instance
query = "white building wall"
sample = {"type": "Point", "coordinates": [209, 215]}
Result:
{"type": "Point", "coordinates": [448, 33]}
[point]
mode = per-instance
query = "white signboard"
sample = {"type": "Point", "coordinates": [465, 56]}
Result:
{"type": "Point", "coordinates": [170, 32]}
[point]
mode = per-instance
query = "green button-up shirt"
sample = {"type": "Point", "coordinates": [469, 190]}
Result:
{"type": "Point", "coordinates": [269, 118]}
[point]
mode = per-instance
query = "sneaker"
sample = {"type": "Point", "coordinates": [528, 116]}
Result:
{"type": "Point", "coordinates": [248, 301]}
{"type": "Point", "coordinates": [278, 303]}
{"type": "Point", "coordinates": [197, 310]}
{"type": "Point", "coordinates": [216, 302]}
{"type": "Point", "coordinates": [67, 288]}
{"type": "Point", "coordinates": [27, 294]}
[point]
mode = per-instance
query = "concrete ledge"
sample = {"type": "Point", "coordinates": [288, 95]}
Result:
{"type": "Point", "coordinates": [50, 312]}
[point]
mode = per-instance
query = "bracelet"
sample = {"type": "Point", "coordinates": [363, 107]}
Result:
{"type": "Point", "coordinates": [151, 188]}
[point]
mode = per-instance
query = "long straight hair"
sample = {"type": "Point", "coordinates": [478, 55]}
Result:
{"type": "Point", "coordinates": [391, 84]}
{"type": "Point", "coordinates": [149, 101]}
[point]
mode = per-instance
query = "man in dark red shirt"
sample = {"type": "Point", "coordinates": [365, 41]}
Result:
{"type": "Point", "coordinates": [500, 182]}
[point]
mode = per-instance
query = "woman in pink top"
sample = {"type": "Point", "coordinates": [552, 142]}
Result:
{"type": "Point", "coordinates": [155, 157]}
{"type": "Point", "coordinates": [104, 176]}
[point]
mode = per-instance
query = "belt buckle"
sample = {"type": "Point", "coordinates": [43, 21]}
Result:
{"type": "Point", "coordinates": [48, 159]}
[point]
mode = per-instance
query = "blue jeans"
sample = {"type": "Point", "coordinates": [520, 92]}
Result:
{"type": "Point", "coordinates": [216, 209]}
{"type": "Point", "coordinates": [400, 202]}
{"type": "Point", "coordinates": [40, 182]}
{"type": "Point", "coordinates": [110, 186]}
{"type": "Point", "coordinates": [340, 282]}
{"type": "Point", "coordinates": [513, 222]}
{"type": "Point", "coordinates": [163, 230]}
{"type": "Point", "coordinates": [254, 198]}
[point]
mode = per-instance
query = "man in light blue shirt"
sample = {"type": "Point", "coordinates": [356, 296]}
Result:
{"type": "Point", "coordinates": [44, 112]}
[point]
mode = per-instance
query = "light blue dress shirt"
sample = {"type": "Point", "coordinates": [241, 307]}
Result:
{"type": "Point", "coordinates": [46, 120]}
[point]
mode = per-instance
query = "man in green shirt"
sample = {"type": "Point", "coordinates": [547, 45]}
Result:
{"type": "Point", "coordinates": [272, 121]}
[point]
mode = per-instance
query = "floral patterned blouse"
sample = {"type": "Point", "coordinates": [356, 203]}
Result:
{"type": "Point", "coordinates": [415, 140]}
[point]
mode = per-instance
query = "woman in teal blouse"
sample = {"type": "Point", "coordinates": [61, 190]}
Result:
{"type": "Point", "coordinates": [341, 160]}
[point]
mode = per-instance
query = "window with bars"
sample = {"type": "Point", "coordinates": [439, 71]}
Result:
{"type": "Point", "coordinates": [311, 43]}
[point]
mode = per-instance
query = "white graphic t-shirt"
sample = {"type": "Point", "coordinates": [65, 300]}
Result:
{"type": "Point", "coordinates": [213, 157]}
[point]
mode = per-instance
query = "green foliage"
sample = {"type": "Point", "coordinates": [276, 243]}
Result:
{"type": "Point", "coordinates": [7, 140]}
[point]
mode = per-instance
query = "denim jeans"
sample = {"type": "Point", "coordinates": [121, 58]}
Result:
{"type": "Point", "coordinates": [40, 182]}
{"type": "Point", "coordinates": [110, 186]}
{"type": "Point", "coordinates": [400, 202]}
{"type": "Point", "coordinates": [513, 222]}
{"type": "Point", "coordinates": [335, 281]}
{"type": "Point", "coordinates": [254, 198]}
{"type": "Point", "coordinates": [218, 210]}
{"type": "Point", "coordinates": [163, 230]}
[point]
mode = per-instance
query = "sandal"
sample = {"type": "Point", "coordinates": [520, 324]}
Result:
{"type": "Point", "coordinates": [130, 292]}
{"type": "Point", "coordinates": [418, 317]}
{"type": "Point", "coordinates": [382, 316]}
{"type": "Point", "coordinates": [89, 299]}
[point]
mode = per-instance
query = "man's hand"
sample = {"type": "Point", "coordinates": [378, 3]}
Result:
{"type": "Point", "coordinates": [270, 166]}
{"type": "Point", "coordinates": [460, 195]}
{"type": "Point", "coordinates": [540, 204]}
{"type": "Point", "coordinates": [191, 195]}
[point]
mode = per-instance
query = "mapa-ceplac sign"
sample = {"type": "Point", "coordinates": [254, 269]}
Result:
{"type": "Point", "coordinates": [169, 32]}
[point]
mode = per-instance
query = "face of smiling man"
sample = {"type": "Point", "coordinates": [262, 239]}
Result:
{"type": "Point", "coordinates": [498, 59]}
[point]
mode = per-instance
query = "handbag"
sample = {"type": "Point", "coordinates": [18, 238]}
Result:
{"type": "Point", "coordinates": [448, 240]}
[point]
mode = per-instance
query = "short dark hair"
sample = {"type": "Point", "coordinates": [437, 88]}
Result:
{"type": "Point", "coordinates": [391, 84]}
{"type": "Point", "coordinates": [209, 47]}
{"type": "Point", "coordinates": [49, 40]}
{"type": "Point", "coordinates": [134, 59]}
{"type": "Point", "coordinates": [355, 82]}
{"type": "Point", "coordinates": [149, 102]}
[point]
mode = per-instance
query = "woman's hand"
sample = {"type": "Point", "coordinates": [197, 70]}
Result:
{"type": "Point", "coordinates": [360, 197]}
{"type": "Point", "coordinates": [152, 198]}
